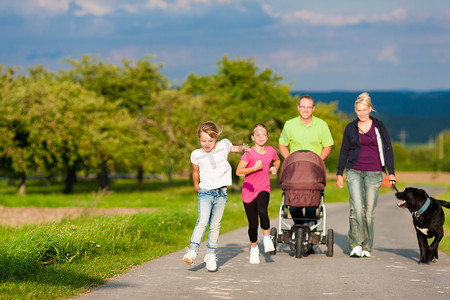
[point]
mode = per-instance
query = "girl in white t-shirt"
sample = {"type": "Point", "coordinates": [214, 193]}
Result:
{"type": "Point", "coordinates": [211, 173]}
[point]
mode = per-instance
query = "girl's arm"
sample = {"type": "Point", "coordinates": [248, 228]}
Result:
{"type": "Point", "coordinates": [243, 170]}
{"type": "Point", "coordinates": [195, 176]}
{"type": "Point", "coordinates": [240, 148]}
{"type": "Point", "coordinates": [276, 166]}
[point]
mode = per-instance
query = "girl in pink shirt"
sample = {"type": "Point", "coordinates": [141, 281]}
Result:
{"type": "Point", "coordinates": [255, 165]}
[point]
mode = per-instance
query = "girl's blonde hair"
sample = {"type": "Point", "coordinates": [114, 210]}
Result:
{"type": "Point", "coordinates": [210, 129]}
{"type": "Point", "coordinates": [364, 98]}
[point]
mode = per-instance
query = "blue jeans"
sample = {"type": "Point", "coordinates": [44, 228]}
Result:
{"type": "Point", "coordinates": [211, 205]}
{"type": "Point", "coordinates": [363, 188]}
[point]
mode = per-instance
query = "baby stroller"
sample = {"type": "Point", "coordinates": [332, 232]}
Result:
{"type": "Point", "coordinates": [303, 180]}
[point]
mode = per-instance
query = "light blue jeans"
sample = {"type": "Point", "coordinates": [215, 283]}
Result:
{"type": "Point", "coordinates": [363, 188]}
{"type": "Point", "coordinates": [211, 205]}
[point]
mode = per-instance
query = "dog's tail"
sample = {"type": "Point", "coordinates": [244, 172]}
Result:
{"type": "Point", "coordinates": [444, 203]}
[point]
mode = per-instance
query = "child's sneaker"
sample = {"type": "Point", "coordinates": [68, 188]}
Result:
{"type": "Point", "coordinates": [268, 244]}
{"type": "Point", "coordinates": [189, 256]}
{"type": "Point", "coordinates": [211, 262]}
{"type": "Point", "coordinates": [254, 255]}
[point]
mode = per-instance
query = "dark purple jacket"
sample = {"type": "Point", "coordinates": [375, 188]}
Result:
{"type": "Point", "coordinates": [351, 147]}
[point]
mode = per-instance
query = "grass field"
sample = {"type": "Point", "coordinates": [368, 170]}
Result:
{"type": "Point", "coordinates": [66, 258]}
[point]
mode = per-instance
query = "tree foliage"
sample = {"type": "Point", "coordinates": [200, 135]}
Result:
{"type": "Point", "coordinates": [98, 116]}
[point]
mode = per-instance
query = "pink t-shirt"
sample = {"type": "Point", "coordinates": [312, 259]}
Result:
{"type": "Point", "coordinates": [258, 181]}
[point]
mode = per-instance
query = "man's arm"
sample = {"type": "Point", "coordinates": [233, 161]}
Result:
{"type": "Point", "coordinates": [284, 151]}
{"type": "Point", "coordinates": [325, 152]}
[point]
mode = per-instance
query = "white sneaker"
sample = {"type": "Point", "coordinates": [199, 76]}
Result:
{"type": "Point", "coordinates": [365, 253]}
{"type": "Point", "coordinates": [189, 256]}
{"type": "Point", "coordinates": [254, 255]}
{"type": "Point", "coordinates": [211, 262]}
{"type": "Point", "coordinates": [268, 244]}
{"type": "Point", "coordinates": [356, 251]}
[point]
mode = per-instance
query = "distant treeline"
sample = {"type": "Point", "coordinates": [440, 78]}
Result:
{"type": "Point", "coordinates": [412, 117]}
{"type": "Point", "coordinates": [102, 118]}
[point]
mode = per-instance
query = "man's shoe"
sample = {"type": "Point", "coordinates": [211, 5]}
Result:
{"type": "Point", "coordinates": [365, 253]}
{"type": "Point", "coordinates": [189, 256]}
{"type": "Point", "coordinates": [254, 255]}
{"type": "Point", "coordinates": [356, 251]}
{"type": "Point", "coordinates": [211, 262]}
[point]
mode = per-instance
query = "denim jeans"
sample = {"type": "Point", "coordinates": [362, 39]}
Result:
{"type": "Point", "coordinates": [211, 205]}
{"type": "Point", "coordinates": [363, 188]}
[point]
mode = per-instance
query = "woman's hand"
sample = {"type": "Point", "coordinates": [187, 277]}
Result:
{"type": "Point", "coordinates": [392, 179]}
{"type": "Point", "coordinates": [273, 170]}
{"type": "Point", "coordinates": [340, 181]}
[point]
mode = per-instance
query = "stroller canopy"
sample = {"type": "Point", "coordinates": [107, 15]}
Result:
{"type": "Point", "coordinates": [303, 177]}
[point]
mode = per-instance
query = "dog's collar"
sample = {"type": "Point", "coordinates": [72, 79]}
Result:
{"type": "Point", "coordinates": [422, 209]}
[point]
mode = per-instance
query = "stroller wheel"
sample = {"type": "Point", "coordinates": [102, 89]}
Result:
{"type": "Point", "coordinates": [330, 242]}
{"type": "Point", "coordinates": [299, 242]}
{"type": "Point", "coordinates": [273, 233]}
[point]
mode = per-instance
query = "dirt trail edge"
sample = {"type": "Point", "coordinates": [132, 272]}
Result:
{"type": "Point", "coordinates": [392, 272]}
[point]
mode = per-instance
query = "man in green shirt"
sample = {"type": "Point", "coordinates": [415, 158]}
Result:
{"type": "Point", "coordinates": [306, 132]}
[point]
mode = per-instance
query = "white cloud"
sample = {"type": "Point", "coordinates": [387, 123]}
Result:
{"type": "Point", "coordinates": [127, 52]}
{"type": "Point", "coordinates": [389, 54]}
{"type": "Point", "coordinates": [292, 61]}
{"type": "Point", "coordinates": [156, 4]}
{"type": "Point", "coordinates": [319, 19]}
{"type": "Point", "coordinates": [55, 7]}
{"type": "Point", "coordinates": [94, 7]}
{"type": "Point", "coordinates": [28, 7]}
{"type": "Point", "coordinates": [187, 4]}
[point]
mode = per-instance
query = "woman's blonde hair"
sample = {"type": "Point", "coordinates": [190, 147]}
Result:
{"type": "Point", "coordinates": [364, 98]}
{"type": "Point", "coordinates": [210, 129]}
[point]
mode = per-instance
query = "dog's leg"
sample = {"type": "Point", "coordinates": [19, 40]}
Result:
{"type": "Point", "coordinates": [434, 245]}
{"type": "Point", "coordinates": [423, 246]}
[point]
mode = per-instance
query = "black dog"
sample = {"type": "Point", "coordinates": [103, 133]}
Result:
{"type": "Point", "coordinates": [428, 219]}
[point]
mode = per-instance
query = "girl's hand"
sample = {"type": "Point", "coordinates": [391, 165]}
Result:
{"type": "Point", "coordinates": [196, 188]}
{"type": "Point", "coordinates": [273, 170]}
{"type": "Point", "coordinates": [340, 181]}
{"type": "Point", "coordinates": [246, 148]}
{"type": "Point", "coordinates": [258, 165]}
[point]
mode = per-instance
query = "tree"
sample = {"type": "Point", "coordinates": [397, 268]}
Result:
{"type": "Point", "coordinates": [172, 123]}
{"type": "Point", "coordinates": [239, 95]}
{"type": "Point", "coordinates": [133, 84]}
{"type": "Point", "coordinates": [442, 146]}
{"type": "Point", "coordinates": [59, 127]}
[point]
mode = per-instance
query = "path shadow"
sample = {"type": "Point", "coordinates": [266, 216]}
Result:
{"type": "Point", "coordinates": [341, 241]}
{"type": "Point", "coordinates": [224, 254]}
{"type": "Point", "coordinates": [410, 254]}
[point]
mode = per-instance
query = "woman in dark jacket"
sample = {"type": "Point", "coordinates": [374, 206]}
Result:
{"type": "Point", "coordinates": [366, 151]}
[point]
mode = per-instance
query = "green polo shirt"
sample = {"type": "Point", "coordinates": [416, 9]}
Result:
{"type": "Point", "coordinates": [314, 137]}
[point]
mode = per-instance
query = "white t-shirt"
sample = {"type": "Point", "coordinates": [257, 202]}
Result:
{"type": "Point", "coordinates": [215, 171]}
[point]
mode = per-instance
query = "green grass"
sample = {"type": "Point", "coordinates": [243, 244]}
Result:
{"type": "Point", "coordinates": [62, 260]}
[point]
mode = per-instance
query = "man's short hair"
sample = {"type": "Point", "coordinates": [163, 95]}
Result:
{"type": "Point", "coordinates": [307, 97]}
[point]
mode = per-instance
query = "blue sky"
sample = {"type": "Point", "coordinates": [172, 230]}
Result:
{"type": "Point", "coordinates": [318, 45]}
